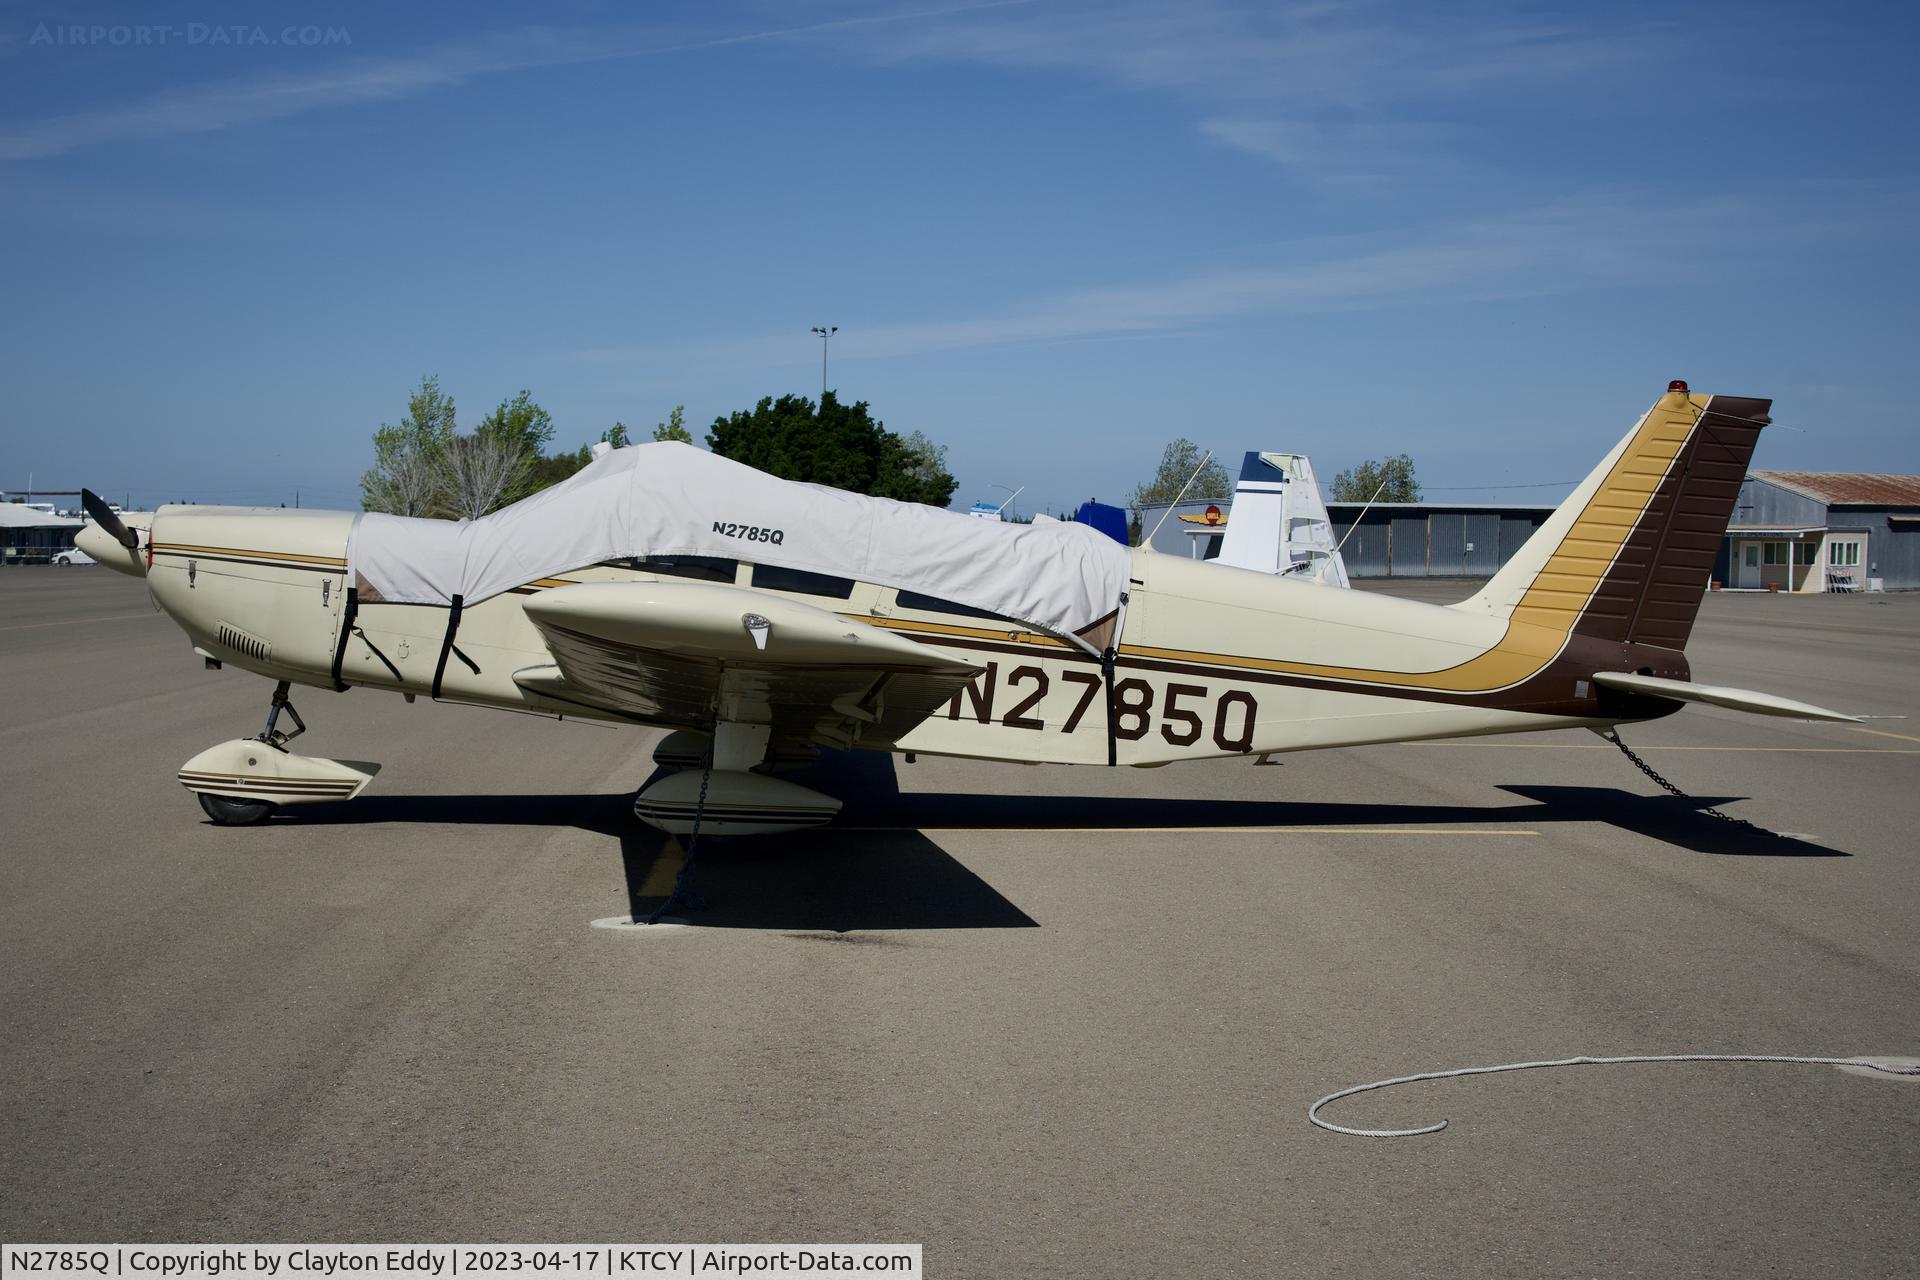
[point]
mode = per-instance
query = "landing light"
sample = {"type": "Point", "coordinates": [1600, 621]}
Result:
{"type": "Point", "coordinates": [757, 627]}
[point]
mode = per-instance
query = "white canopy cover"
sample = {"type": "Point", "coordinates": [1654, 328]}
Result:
{"type": "Point", "coordinates": [674, 499]}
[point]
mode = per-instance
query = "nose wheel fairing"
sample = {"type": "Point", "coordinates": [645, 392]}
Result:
{"type": "Point", "coordinates": [241, 782]}
{"type": "Point", "coordinates": [250, 769]}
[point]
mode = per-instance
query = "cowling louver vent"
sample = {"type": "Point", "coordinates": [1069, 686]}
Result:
{"type": "Point", "coordinates": [239, 641]}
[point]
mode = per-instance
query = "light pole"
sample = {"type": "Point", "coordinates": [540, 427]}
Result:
{"type": "Point", "coordinates": [1012, 493]}
{"type": "Point", "coordinates": [824, 333]}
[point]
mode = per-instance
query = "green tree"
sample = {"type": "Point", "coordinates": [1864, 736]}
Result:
{"type": "Point", "coordinates": [1179, 461]}
{"type": "Point", "coordinates": [675, 427]}
{"type": "Point", "coordinates": [424, 467]}
{"type": "Point", "coordinates": [520, 429]}
{"type": "Point", "coordinates": [548, 470]}
{"type": "Point", "coordinates": [408, 473]}
{"type": "Point", "coordinates": [521, 422]}
{"type": "Point", "coordinates": [1390, 478]}
{"type": "Point", "coordinates": [913, 469]}
{"type": "Point", "coordinates": [484, 472]}
{"type": "Point", "coordinates": [843, 446]}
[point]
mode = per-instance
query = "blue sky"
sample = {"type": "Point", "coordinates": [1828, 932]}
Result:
{"type": "Point", "coordinates": [1053, 235]}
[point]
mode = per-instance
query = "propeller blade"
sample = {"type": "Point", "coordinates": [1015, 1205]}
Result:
{"type": "Point", "coordinates": [103, 516]}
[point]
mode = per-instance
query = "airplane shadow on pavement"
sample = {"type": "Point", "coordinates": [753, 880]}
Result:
{"type": "Point", "coordinates": [875, 868]}
{"type": "Point", "coordinates": [873, 799]}
{"type": "Point", "coordinates": [824, 879]}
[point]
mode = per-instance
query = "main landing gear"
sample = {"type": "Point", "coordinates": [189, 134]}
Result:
{"type": "Point", "coordinates": [717, 786]}
{"type": "Point", "coordinates": [242, 782]}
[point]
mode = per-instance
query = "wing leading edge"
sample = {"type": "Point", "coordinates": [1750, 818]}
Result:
{"type": "Point", "coordinates": [688, 654]}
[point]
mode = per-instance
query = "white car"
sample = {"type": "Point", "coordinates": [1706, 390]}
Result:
{"type": "Point", "coordinates": [73, 555]}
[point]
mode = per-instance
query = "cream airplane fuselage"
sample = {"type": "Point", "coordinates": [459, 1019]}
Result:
{"type": "Point", "coordinates": [1216, 661]}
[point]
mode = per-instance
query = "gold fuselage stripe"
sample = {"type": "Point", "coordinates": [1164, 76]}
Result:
{"type": "Point", "coordinates": [182, 548]}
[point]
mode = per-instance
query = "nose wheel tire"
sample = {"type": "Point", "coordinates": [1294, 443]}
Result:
{"type": "Point", "coordinates": [226, 811]}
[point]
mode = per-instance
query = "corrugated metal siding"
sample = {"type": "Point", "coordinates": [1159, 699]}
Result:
{"type": "Point", "coordinates": [1514, 532]}
{"type": "Point", "coordinates": [1407, 554]}
{"type": "Point", "coordinates": [1423, 540]}
{"type": "Point", "coordinates": [1432, 542]}
{"type": "Point", "coordinates": [1764, 504]}
{"type": "Point", "coordinates": [1366, 551]}
{"type": "Point", "coordinates": [1446, 543]}
{"type": "Point", "coordinates": [1893, 550]}
{"type": "Point", "coordinates": [1481, 558]}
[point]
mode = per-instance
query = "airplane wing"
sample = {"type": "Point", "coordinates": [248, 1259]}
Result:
{"type": "Point", "coordinates": [686, 653]}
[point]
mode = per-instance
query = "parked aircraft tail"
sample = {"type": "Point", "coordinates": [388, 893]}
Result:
{"type": "Point", "coordinates": [1627, 556]}
{"type": "Point", "coordinates": [1279, 523]}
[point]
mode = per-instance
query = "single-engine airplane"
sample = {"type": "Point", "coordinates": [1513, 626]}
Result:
{"type": "Point", "coordinates": [761, 619]}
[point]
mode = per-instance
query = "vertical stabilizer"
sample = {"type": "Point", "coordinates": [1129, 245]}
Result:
{"type": "Point", "coordinates": [1627, 556]}
{"type": "Point", "coordinates": [1278, 523]}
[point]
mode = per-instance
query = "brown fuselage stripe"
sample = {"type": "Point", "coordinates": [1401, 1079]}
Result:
{"type": "Point", "coordinates": [230, 557]}
{"type": "Point", "coordinates": [185, 548]}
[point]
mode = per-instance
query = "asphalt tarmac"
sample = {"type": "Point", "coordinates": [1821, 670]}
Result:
{"type": "Point", "coordinates": [1046, 1021]}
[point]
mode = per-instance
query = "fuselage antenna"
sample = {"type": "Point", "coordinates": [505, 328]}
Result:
{"type": "Point", "coordinates": [1148, 540]}
{"type": "Point", "coordinates": [1356, 520]}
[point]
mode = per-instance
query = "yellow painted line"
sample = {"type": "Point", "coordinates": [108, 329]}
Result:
{"type": "Point", "coordinates": [80, 622]}
{"type": "Point", "coordinates": [665, 870]}
{"type": "Point", "coordinates": [1883, 733]}
{"type": "Point", "coordinates": [1221, 831]}
{"type": "Point", "coordinates": [1595, 746]}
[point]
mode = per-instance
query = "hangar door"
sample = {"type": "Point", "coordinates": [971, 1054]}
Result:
{"type": "Point", "coordinates": [1460, 544]}
{"type": "Point", "coordinates": [1514, 532]}
{"type": "Point", "coordinates": [1481, 555]}
{"type": "Point", "coordinates": [1408, 553]}
{"type": "Point", "coordinates": [1365, 552]}
{"type": "Point", "coordinates": [1446, 544]}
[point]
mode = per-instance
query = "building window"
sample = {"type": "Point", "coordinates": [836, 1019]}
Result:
{"type": "Point", "coordinates": [1776, 553]}
{"type": "Point", "coordinates": [1805, 553]}
{"type": "Point", "coordinates": [1843, 555]}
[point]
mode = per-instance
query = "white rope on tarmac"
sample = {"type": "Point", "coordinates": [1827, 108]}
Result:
{"type": "Point", "coordinates": [1313, 1111]}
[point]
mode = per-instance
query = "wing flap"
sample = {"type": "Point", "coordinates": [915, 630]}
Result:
{"type": "Point", "coordinates": [1748, 700]}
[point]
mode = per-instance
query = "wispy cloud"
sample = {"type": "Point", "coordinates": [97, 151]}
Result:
{"type": "Point", "coordinates": [1554, 248]}
{"type": "Point", "coordinates": [1320, 52]}
{"type": "Point", "coordinates": [259, 99]}
{"type": "Point", "coordinates": [1335, 149]}
{"type": "Point", "coordinates": [1268, 79]}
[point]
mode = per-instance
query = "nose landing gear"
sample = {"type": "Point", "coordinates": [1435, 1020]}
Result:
{"type": "Point", "coordinates": [280, 703]}
{"type": "Point", "coordinates": [242, 782]}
